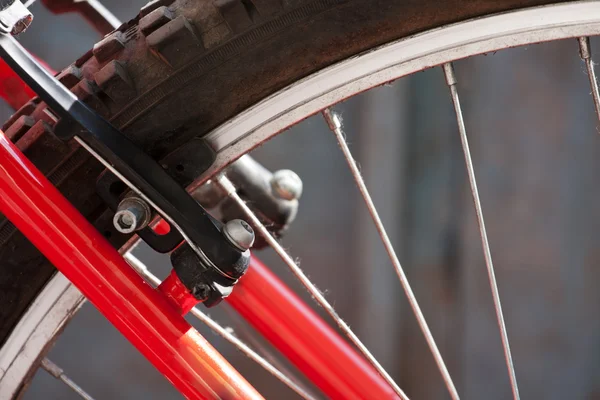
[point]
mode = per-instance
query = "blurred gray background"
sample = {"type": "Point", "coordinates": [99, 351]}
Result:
{"type": "Point", "coordinates": [536, 150]}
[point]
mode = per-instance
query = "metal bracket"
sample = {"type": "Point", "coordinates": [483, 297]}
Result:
{"type": "Point", "coordinates": [14, 17]}
{"type": "Point", "coordinates": [144, 176]}
{"type": "Point", "coordinates": [161, 243]}
{"type": "Point", "coordinates": [273, 197]}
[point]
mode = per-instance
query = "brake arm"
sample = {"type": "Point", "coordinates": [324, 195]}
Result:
{"type": "Point", "coordinates": [135, 168]}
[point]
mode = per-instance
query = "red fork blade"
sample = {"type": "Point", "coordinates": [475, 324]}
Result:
{"type": "Point", "coordinates": [304, 338]}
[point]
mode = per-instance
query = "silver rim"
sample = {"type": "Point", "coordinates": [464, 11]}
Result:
{"type": "Point", "coordinates": [60, 300]}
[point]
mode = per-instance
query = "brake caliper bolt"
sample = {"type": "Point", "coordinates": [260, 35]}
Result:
{"type": "Point", "coordinates": [132, 215]}
{"type": "Point", "coordinates": [239, 234]}
{"type": "Point", "coordinates": [286, 184]}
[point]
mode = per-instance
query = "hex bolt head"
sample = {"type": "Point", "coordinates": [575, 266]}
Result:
{"type": "Point", "coordinates": [286, 184]}
{"type": "Point", "coordinates": [239, 234]}
{"type": "Point", "coordinates": [132, 215]}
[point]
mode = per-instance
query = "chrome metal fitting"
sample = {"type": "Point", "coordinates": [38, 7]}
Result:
{"type": "Point", "coordinates": [286, 185]}
{"type": "Point", "coordinates": [132, 215]}
{"type": "Point", "coordinates": [15, 18]}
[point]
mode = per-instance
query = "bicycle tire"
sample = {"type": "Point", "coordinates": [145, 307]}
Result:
{"type": "Point", "coordinates": [194, 65]}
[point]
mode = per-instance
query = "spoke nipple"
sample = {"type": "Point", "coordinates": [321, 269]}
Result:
{"type": "Point", "coordinates": [333, 119]}
{"type": "Point", "coordinates": [449, 74]}
{"type": "Point", "coordinates": [286, 184]}
{"type": "Point", "coordinates": [52, 368]}
{"type": "Point", "coordinates": [239, 234]}
{"type": "Point", "coordinates": [337, 121]}
{"type": "Point", "coordinates": [132, 215]}
{"type": "Point", "coordinates": [584, 48]}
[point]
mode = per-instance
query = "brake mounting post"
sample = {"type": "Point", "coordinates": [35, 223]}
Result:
{"type": "Point", "coordinates": [204, 236]}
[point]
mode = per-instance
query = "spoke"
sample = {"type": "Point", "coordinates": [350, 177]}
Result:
{"type": "Point", "coordinates": [59, 374]}
{"type": "Point", "coordinates": [451, 81]}
{"type": "Point", "coordinates": [586, 55]}
{"type": "Point", "coordinates": [225, 184]}
{"type": "Point", "coordinates": [253, 339]}
{"type": "Point", "coordinates": [223, 332]}
{"type": "Point", "coordinates": [335, 126]}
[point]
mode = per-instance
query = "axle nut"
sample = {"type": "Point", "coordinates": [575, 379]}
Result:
{"type": "Point", "coordinates": [239, 234]}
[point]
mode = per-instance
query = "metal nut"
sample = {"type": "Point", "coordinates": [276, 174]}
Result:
{"type": "Point", "coordinates": [132, 215]}
{"type": "Point", "coordinates": [286, 184]}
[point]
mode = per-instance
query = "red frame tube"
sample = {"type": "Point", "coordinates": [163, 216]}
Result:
{"type": "Point", "coordinates": [304, 338]}
{"type": "Point", "coordinates": [12, 88]}
{"type": "Point", "coordinates": [143, 315]}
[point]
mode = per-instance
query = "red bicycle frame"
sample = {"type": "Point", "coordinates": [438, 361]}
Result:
{"type": "Point", "coordinates": [151, 319]}
{"type": "Point", "coordinates": [139, 312]}
{"type": "Point", "coordinates": [304, 338]}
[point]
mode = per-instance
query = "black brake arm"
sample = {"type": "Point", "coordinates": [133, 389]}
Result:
{"type": "Point", "coordinates": [139, 171]}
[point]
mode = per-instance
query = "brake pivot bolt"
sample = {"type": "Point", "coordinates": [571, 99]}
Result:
{"type": "Point", "coordinates": [286, 184]}
{"type": "Point", "coordinates": [132, 215]}
{"type": "Point", "coordinates": [239, 234]}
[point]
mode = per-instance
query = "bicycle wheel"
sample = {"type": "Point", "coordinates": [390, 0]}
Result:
{"type": "Point", "coordinates": [164, 90]}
